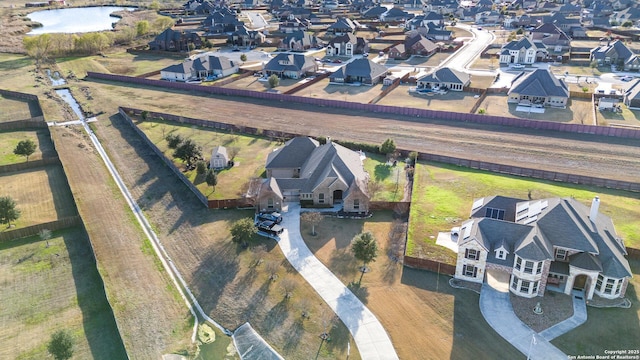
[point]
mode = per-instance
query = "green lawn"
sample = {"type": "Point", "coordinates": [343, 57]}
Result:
{"type": "Point", "coordinates": [443, 194]}
{"type": "Point", "coordinates": [392, 179]}
{"type": "Point", "coordinates": [9, 140]}
{"type": "Point", "coordinates": [251, 155]}
{"type": "Point", "coordinates": [44, 289]}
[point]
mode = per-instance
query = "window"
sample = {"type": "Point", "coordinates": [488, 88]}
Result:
{"type": "Point", "coordinates": [539, 268]}
{"type": "Point", "coordinates": [494, 213]}
{"type": "Point", "coordinates": [472, 254]}
{"type": "Point", "coordinates": [270, 203]}
{"type": "Point", "coordinates": [518, 262]}
{"type": "Point", "coordinates": [528, 267]}
{"type": "Point", "coordinates": [608, 288]}
{"type": "Point", "coordinates": [356, 204]}
{"type": "Point", "coordinates": [514, 283]}
{"type": "Point", "coordinates": [501, 254]}
{"type": "Point", "coordinates": [469, 270]}
{"type": "Point", "coordinates": [321, 198]}
{"type": "Point", "coordinates": [561, 254]}
{"type": "Point", "coordinates": [535, 287]}
{"type": "Point", "coordinates": [524, 286]}
{"type": "Point", "coordinates": [599, 282]}
{"type": "Point", "coordinates": [619, 287]}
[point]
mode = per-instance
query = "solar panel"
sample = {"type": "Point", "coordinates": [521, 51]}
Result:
{"type": "Point", "coordinates": [522, 207]}
{"type": "Point", "coordinates": [535, 208]}
{"type": "Point", "coordinates": [467, 230]}
{"type": "Point", "coordinates": [478, 203]}
{"type": "Point", "coordinates": [530, 220]}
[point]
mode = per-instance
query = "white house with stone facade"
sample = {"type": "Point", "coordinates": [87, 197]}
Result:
{"type": "Point", "coordinates": [550, 244]}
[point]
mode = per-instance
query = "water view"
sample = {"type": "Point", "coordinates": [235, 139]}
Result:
{"type": "Point", "coordinates": [75, 20]}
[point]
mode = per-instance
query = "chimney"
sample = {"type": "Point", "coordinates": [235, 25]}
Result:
{"type": "Point", "coordinates": [328, 139]}
{"type": "Point", "coordinates": [595, 204]}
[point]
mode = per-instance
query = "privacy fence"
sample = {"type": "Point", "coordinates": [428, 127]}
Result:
{"type": "Point", "coordinates": [59, 224]}
{"type": "Point", "coordinates": [375, 108]}
{"type": "Point", "coordinates": [54, 160]}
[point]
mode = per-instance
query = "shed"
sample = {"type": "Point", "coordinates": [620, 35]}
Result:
{"type": "Point", "coordinates": [219, 158]}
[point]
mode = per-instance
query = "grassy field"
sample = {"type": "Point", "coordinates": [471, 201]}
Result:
{"type": "Point", "coordinates": [577, 112]}
{"type": "Point", "coordinates": [442, 198]}
{"type": "Point", "coordinates": [9, 140]}
{"type": "Point", "coordinates": [626, 117]}
{"type": "Point", "coordinates": [121, 63]}
{"type": "Point", "coordinates": [452, 101]}
{"type": "Point", "coordinates": [47, 288]}
{"type": "Point", "coordinates": [252, 83]}
{"type": "Point", "coordinates": [41, 194]}
{"type": "Point", "coordinates": [249, 162]}
{"type": "Point", "coordinates": [15, 109]}
{"type": "Point", "coordinates": [392, 179]}
{"type": "Point", "coordinates": [409, 303]}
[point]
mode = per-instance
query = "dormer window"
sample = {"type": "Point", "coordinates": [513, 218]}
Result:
{"type": "Point", "coordinates": [561, 254]}
{"type": "Point", "coordinates": [501, 255]}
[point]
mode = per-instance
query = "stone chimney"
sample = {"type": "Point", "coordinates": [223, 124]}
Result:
{"type": "Point", "coordinates": [595, 205]}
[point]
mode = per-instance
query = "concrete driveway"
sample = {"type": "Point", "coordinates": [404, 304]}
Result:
{"type": "Point", "coordinates": [371, 338]}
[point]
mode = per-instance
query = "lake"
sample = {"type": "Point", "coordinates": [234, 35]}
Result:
{"type": "Point", "coordinates": [75, 20]}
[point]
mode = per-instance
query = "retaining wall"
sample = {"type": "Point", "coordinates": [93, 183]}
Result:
{"type": "Point", "coordinates": [397, 110]}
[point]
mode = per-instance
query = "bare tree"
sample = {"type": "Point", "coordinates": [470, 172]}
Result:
{"type": "Point", "coordinates": [373, 188]}
{"type": "Point", "coordinates": [288, 285]}
{"type": "Point", "coordinates": [272, 268]}
{"type": "Point", "coordinates": [312, 218]}
{"type": "Point", "coordinates": [304, 305]}
{"type": "Point", "coordinates": [45, 235]}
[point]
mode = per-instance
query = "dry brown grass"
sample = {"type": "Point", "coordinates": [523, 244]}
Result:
{"type": "Point", "coordinates": [48, 288]}
{"type": "Point", "coordinates": [452, 101]}
{"type": "Point", "coordinates": [578, 111]}
{"type": "Point", "coordinates": [409, 303]}
{"type": "Point", "coordinates": [324, 90]}
{"type": "Point", "coordinates": [14, 109]}
{"type": "Point", "coordinates": [626, 118]}
{"type": "Point", "coordinates": [41, 194]}
{"type": "Point", "coordinates": [151, 317]}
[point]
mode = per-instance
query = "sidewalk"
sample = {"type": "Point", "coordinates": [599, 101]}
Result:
{"type": "Point", "coordinates": [371, 338]}
{"type": "Point", "coordinates": [578, 318]}
{"type": "Point", "coordinates": [498, 312]}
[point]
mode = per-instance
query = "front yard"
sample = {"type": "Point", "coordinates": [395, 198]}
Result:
{"type": "Point", "coordinates": [443, 195]}
{"type": "Point", "coordinates": [251, 155]}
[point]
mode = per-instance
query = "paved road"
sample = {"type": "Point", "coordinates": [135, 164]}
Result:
{"type": "Point", "coordinates": [371, 338]}
{"type": "Point", "coordinates": [470, 50]}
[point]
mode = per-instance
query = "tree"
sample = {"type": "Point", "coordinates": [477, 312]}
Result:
{"type": "Point", "coordinates": [162, 23]}
{"type": "Point", "coordinates": [274, 81]}
{"type": "Point", "coordinates": [243, 57]}
{"type": "Point", "coordinates": [211, 179]}
{"type": "Point", "coordinates": [242, 231]}
{"type": "Point", "coordinates": [25, 148]}
{"type": "Point", "coordinates": [627, 23]}
{"type": "Point", "coordinates": [388, 147]}
{"type": "Point", "coordinates": [45, 235]}
{"type": "Point", "coordinates": [38, 47]}
{"type": "Point", "coordinates": [188, 152]}
{"type": "Point", "coordinates": [142, 28]}
{"type": "Point", "coordinates": [288, 285]}
{"type": "Point", "coordinates": [201, 167]}
{"type": "Point", "coordinates": [8, 210]}
{"type": "Point", "coordinates": [373, 188]}
{"type": "Point", "coordinates": [61, 345]}
{"type": "Point", "coordinates": [155, 5]}
{"type": "Point", "coordinates": [365, 249]}
{"type": "Point", "coordinates": [173, 141]}
{"type": "Point", "coordinates": [313, 218]}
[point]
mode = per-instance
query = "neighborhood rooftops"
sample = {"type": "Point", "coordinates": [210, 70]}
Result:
{"type": "Point", "coordinates": [540, 82]}
{"type": "Point", "coordinates": [446, 75]}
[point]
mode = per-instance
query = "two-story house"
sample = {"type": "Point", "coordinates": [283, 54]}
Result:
{"type": "Point", "coordinates": [554, 244]}
{"type": "Point", "coordinates": [315, 175]}
{"type": "Point", "coordinates": [347, 45]}
{"type": "Point", "coordinates": [523, 51]}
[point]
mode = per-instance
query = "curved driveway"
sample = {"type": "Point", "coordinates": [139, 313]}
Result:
{"type": "Point", "coordinates": [372, 340]}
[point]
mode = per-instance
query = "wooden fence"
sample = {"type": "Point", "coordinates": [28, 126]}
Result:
{"type": "Point", "coordinates": [375, 108]}
{"type": "Point", "coordinates": [203, 199]}
{"type": "Point", "coordinates": [54, 160]}
{"type": "Point", "coordinates": [431, 265]}
{"type": "Point", "coordinates": [59, 224]}
{"type": "Point", "coordinates": [402, 206]}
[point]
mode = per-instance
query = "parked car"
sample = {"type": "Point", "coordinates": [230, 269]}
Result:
{"type": "Point", "coordinates": [270, 227]}
{"type": "Point", "coordinates": [337, 61]}
{"type": "Point", "coordinates": [273, 216]}
{"type": "Point", "coordinates": [517, 66]}
{"type": "Point", "coordinates": [626, 78]}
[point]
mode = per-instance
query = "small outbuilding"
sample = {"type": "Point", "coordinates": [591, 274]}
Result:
{"type": "Point", "coordinates": [219, 158]}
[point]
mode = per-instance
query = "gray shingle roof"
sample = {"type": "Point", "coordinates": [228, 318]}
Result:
{"type": "Point", "coordinates": [293, 154]}
{"type": "Point", "coordinates": [289, 62]}
{"type": "Point", "coordinates": [508, 204]}
{"type": "Point", "coordinates": [446, 75]}
{"type": "Point", "coordinates": [540, 82]}
{"type": "Point", "coordinates": [363, 67]}
{"type": "Point", "coordinates": [585, 261]}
